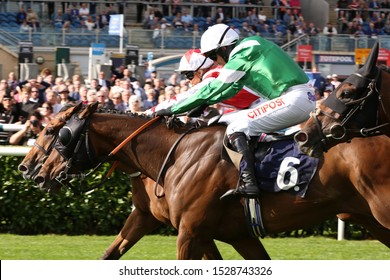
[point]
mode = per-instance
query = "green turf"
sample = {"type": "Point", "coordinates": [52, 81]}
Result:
{"type": "Point", "coordinates": [155, 247]}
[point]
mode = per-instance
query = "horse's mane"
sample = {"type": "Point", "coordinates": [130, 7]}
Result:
{"type": "Point", "coordinates": [174, 122]}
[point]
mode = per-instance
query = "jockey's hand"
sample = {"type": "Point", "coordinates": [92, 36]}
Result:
{"type": "Point", "coordinates": [164, 112]}
{"type": "Point", "coordinates": [197, 111]}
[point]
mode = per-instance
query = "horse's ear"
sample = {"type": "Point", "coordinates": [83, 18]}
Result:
{"type": "Point", "coordinates": [369, 68]}
{"type": "Point", "coordinates": [67, 111]}
{"type": "Point", "coordinates": [89, 110]}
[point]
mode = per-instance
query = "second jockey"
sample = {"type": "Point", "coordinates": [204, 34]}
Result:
{"type": "Point", "coordinates": [200, 71]}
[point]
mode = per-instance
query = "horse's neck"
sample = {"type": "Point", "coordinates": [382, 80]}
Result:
{"type": "Point", "coordinates": [145, 152]}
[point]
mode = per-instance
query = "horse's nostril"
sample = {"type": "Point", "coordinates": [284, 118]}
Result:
{"type": "Point", "coordinates": [39, 179]}
{"type": "Point", "coordinates": [301, 137]}
{"type": "Point", "coordinates": [22, 168]}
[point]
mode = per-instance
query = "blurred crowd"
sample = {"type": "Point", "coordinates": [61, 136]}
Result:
{"type": "Point", "coordinates": [34, 102]}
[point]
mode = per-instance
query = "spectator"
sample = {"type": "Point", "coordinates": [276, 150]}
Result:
{"type": "Point", "coordinates": [27, 107]}
{"type": "Point", "coordinates": [135, 105]}
{"type": "Point", "coordinates": [139, 90]}
{"type": "Point", "coordinates": [373, 5]}
{"type": "Point", "coordinates": [118, 73]}
{"type": "Point", "coordinates": [102, 81]}
{"type": "Point", "coordinates": [46, 112]}
{"type": "Point", "coordinates": [91, 96]}
{"type": "Point", "coordinates": [287, 18]}
{"type": "Point", "coordinates": [118, 102]}
{"type": "Point", "coordinates": [277, 9]}
{"type": "Point", "coordinates": [247, 30]}
{"type": "Point", "coordinates": [21, 16]}
{"type": "Point", "coordinates": [40, 85]}
{"type": "Point", "coordinates": [84, 12]}
{"type": "Point", "coordinates": [3, 87]}
{"type": "Point", "coordinates": [386, 28]}
{"type": "Point", "coordinates": [74, 90]}
{"type": "Point", "coordinates": [187, 20]}
{"type": "Point", "coordinates": [103, 100]}
{"type": "Point", "coordinates": [220, 16]}
{"type": "Point", "coordinates": [335, 81]}
{"type": "Point", "coordinates": [30, 132]}
{"type": "Point", "coordinates": [151, 101]}
{"type": "Point", "coordinates": [9, 109]}
{"type": "Point", "coordinates": [24, 27]}
{"type": "Point", "coordinates": [209, 22]}
{"type": "Point", "coordinates": [177, 21]}
{"type": "Point", "coordinates": [342, 6]}
{"type": "Point", "coordinates": [261, 15]}
{"type": "Point", "coordinates": [59, 19]}
{"type": "Point", "coordinates": [83, 94]}
{"type": "Point", "coordinates": [371, 31]}
{"type": "Point", "coordinates": [94, 84]}
{"type": "Point", "coordinates": [128, 75]}
{"type": "Point", "coordinates": [75, 12]}
{"type": "Point", "coordinates": [89, 23]}
{"type": "Point", "coordinates": [53, 99]}
{"type": "Point", "coordinates": [342, 23]}
{"type": "Point", "coordinates": [252, 20]}
{"type": "Point", "coordinates": [111, 10]}
{"type": "Point", "coordinates": [148, 19]}
{"type": "Point", "coordinates": [12, 81]}
{"type": "Point", "coordinates": [31, 16]}
{"type": "Point", "coordinates": [65, 99]}
{"type": "Point", "coordinates": [312, 30]}
{"type": "Point", "coordinates": [157, 13]}
{"type": "Point", "coordinates": [104, 19]}
{"type": "Point", "coordinates": [126, 93]}
{"type": "Point", "coordinates": [329, 30]}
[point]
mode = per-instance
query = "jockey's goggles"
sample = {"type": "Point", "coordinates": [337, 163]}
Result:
{"type": "Point", "coordinates": [211, 54]}
{"type": "Point", "coordinates": [189, 75]}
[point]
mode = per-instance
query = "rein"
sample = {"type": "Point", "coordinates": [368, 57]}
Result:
{"type": "Point", "coordinates": [84, 136]}
{"type": "Point", "coordinates": [166, 160]}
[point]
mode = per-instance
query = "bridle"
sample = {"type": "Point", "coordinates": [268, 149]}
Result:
{"type": "Point", "coordinates": [346, 110]}
{"type": "Point", "coordinates": [82, 149]}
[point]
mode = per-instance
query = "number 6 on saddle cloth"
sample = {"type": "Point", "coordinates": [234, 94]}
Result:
{"type": "Point", "coordinates": [280, 166]}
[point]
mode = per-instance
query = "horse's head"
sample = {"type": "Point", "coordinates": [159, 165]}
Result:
{"type": "Point", "coordinates": [342, 116]}
{"type": "Point", "coordinates": [65, 138]}
{"type": "Point", "coordinates": [43, 146]}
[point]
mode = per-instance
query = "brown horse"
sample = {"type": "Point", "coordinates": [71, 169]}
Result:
{"type": "Point", "coordinates": [359, 107]}
{"type": "Point", "coordinates": [196, 176]}
{"type": "Point", "coordinates": [149, 212]}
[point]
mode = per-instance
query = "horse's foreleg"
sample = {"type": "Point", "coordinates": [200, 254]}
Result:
{"type": "Point", "coordinates": [190, 247]}
{"type": "Point", "coordinates": [137, 225]}
{"type": "Point", "coordinates": [212, 252]}
{"type": "Point", "coordinates": [251, 249]}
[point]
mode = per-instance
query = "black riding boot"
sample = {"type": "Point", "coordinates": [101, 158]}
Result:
{"type": "Point", "coordinates": [248, 186]}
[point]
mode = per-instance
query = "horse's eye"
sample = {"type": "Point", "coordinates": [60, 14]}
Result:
{"type": "Point", "coordinates": [346, 94]}
{"type": "Point", "coordinates": [49, 130]}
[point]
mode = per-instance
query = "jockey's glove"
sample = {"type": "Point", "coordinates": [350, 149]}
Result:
{"type": "Point", "coordinates": [197, 111]}
{"type": "Point", "coordinates": [164, 112]}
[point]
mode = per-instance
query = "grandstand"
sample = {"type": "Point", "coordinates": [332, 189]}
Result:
{"type": "Point", "coordinates": [48, 37]}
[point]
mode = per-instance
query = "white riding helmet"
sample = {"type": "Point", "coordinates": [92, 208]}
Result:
{"type": "Point", "coordinates": [193, 60]}
{"type": "Point", "coordinates": [216, 36]}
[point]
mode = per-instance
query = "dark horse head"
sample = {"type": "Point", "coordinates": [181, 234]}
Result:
{"type": "Point", "coordinates": [357, 108]}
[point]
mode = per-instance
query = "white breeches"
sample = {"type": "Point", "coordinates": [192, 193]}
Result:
{"type": "Point", "coordinates": [291, 108]}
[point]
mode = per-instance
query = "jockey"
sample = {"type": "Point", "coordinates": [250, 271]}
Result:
{"type": "Point", "coordinates": [200, 71]}
{"type": "Point", "coordinates": [268, 71]}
